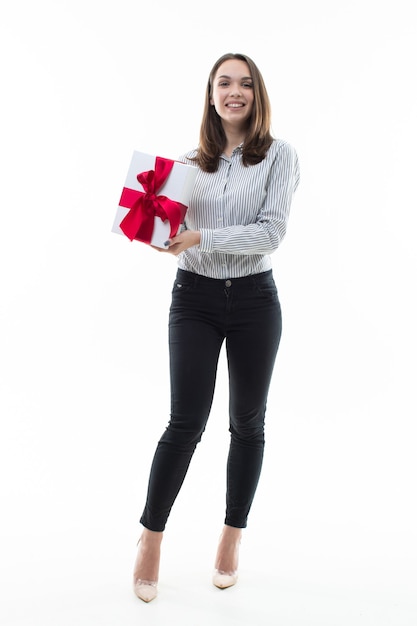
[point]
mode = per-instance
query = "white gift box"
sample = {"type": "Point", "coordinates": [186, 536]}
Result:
{"type": "Point", "coordinates": [177, 187]}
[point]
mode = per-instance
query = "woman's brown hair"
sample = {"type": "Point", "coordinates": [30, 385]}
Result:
{"type": "Point", "coordinates": [212, 136]}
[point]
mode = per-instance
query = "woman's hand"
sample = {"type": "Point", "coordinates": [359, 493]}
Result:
{"type": "Point", "coordinates": [183, 241]}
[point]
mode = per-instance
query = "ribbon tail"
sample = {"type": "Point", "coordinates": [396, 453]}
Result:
{"type": "Point", "coordinates": [176, 220]}
{"type": "Point", "coordinates": [172, 211]}
{"type": "Point", "coordinates": [137, 224]}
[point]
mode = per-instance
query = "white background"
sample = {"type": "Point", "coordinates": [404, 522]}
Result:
{"type": "Point", "coordinates": [331, 539]}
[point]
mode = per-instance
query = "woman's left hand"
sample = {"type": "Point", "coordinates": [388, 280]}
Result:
{"type": "Point", "coordinates": [183, 241]}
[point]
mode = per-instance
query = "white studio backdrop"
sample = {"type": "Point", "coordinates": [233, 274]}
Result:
{"type": "Point", "coordinates": [83, 340]}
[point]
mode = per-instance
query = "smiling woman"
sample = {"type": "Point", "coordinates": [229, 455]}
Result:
{"type": "Point", "coordinates": [224, 292]}
{"type": "Point", "coordinates": [82, 398]}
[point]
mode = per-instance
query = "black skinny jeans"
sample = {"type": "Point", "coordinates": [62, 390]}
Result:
{"type": "Point", "coordinates": [204, 312]}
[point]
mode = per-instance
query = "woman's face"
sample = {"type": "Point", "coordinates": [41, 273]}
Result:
{"type": "Point", "coordinates": [232, 93]}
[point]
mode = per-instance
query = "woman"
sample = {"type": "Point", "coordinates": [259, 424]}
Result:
{"type": "Point", "coordinates": [224, 291]}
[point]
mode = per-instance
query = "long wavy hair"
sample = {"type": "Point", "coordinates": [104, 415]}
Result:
{"type": "Point", "coordinates": [212, 136]}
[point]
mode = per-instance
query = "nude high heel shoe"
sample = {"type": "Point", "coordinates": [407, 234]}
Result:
{"type": "Point", "coordinates": [224, 579]}
{"type": "Point", "coordinates": [146, 590]}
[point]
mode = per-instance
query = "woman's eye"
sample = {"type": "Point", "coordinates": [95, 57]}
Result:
{"type": "Point", "coordinates": [249, 85]}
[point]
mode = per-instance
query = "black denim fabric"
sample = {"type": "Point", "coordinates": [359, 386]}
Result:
{"type": "Point", "coordinates": [205, 312]}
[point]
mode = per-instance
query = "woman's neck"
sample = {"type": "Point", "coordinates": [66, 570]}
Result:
{"type": "Point", "coordinates": [233, 140]}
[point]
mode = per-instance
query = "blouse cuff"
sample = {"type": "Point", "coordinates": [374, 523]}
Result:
{"type": "Point", "coordinates": [206, 241]}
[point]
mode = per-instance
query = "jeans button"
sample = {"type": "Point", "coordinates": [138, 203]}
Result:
{"type": "Point", "coordinates": [228, 283]}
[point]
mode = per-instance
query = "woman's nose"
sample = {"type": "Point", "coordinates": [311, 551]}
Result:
{"type": "Point", "coordinates": [235, 91]}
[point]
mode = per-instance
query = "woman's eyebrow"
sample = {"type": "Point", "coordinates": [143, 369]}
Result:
{"type": "Point", "coordinates": [229, 77]}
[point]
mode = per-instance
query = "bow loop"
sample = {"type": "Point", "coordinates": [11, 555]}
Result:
{"type": "Point", "coordinates": [146, 179]}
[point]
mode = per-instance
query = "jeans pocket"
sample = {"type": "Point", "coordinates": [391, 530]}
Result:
{"type": "Point", "coordinates": [267, 288]}
{"type": "Point", "coordinates": [181, 287]}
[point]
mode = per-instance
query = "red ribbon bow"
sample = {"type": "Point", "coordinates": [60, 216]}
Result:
{"type": "Point", "coordinates": [146, 205]}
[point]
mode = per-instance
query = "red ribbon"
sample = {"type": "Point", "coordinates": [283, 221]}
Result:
{"type": "Point", "coordinates": [146, 205]}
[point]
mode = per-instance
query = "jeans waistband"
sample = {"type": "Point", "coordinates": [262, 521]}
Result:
{"type": "Point", "coordinates": [242, 280]}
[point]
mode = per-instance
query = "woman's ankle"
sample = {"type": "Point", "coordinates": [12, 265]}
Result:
{"type": "Point", "coordinates": [148, 557]}
{"type": "Point", "coordinates": [227, 556]}
{"type": "Point", "coordinates": [151, 537]}
{"type": "Point", "coordinates": [231, 534]}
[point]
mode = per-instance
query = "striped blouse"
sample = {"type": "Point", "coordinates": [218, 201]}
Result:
{"type": "Point", "coordinates": [241, 212]}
